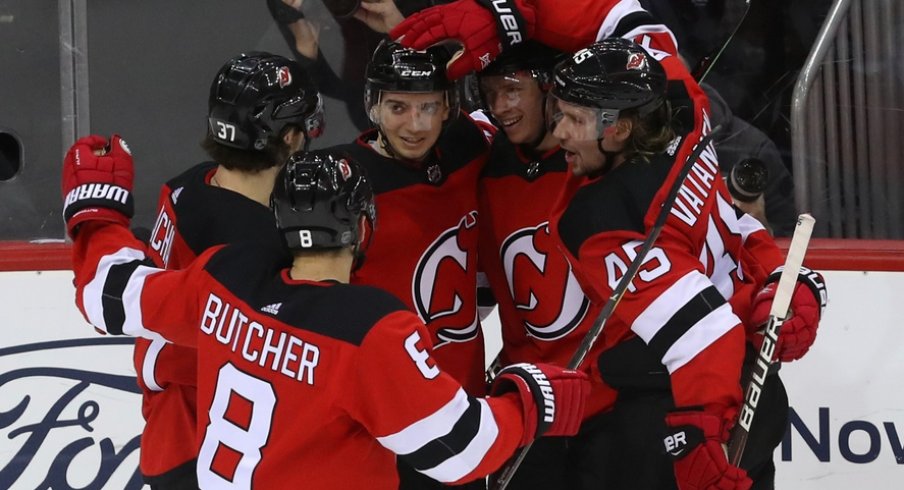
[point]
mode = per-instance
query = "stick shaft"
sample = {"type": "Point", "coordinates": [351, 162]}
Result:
{"type": "Point", "coordinates": [780, 303]}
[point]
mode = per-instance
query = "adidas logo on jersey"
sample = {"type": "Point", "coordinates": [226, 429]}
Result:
{"type": "Point", "coordinates": [272, 309]}
{"type": "Point", "coordinates": [175, 195]}
{"type": "Point", "coordinates": [673, 146]}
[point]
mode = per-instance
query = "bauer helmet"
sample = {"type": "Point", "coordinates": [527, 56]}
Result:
{"type": "Point", "coordinates": [395, 68]}
{"type": "Point", "coordinates": [256, 95]}
{"type": "Point", "coordinates": [535, 58]}
{"type": "Point", "coordinates": [319, 200]}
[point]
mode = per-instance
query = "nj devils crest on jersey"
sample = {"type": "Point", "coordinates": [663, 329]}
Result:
{"type": "Point", "coordinates": [543, 287]}
{"type": "Point", "coordinates": [443, 285]}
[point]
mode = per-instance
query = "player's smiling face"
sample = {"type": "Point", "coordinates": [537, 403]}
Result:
{"type": "Point", "coordinates": [516, 102]}
{"type": "Point", "coordinates": [412, 122]}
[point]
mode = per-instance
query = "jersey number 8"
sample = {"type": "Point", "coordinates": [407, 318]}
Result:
{"type": "Point", "coordinates": [240, 418]}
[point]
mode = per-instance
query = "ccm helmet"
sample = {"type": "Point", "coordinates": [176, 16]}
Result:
{"type": "Point", "coordinates": [256, 95]}
{"type": "Point", "coordinates": [614, 74]}
{"type": "Point", "coordinates": [319, 200]}
{"type": "Point", "coordinates": [395, 68]}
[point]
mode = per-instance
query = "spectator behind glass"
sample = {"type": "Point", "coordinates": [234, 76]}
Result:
{"type": "Point", "coordinates": [738, 140]}
{"type": "Point", "coordinates": [358, 35]}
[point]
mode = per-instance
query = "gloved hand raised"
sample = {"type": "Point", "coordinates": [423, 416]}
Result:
{"type": "Point", "coordinates": [798, 331]}
{"type": "Point", "coordinates": [483, 27]}
{"type": "Point", "coordinates": [97, 182]}
{"type": "Point", "coordinates": [553, 398]}
{"type": "Point", "coordinates": [695, 445]}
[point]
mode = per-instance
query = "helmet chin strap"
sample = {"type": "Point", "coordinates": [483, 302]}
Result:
{"type": "Point", "coordinates": [609, 158]}
{"type": "Point", "coordinates": [385, 144]}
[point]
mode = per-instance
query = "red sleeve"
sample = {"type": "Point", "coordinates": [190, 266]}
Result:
{"type": "Point", "coordinates": [582, 22]}
{"type": "Point", "coordinates": [675, 308]}
{"type": "Point", "coordinates": [765, 256]}
{"type": "Point", "coordinates": [421, 413]}
{"type": "Point", "coordinates": [119, 293]}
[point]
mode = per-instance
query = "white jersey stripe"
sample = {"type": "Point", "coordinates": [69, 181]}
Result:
{"type": "Point", "coordinates": [148, 367]}
{"type": "Point", "coordinates": [651, 29]}
{"type": "Point", "coordinates": [620, 10]}
{"type": "Point", "coordinates": [464, 462]}
{"type": "Point", "coordinates": [92, 295]}
{"type": "Point", "coordinates": [704, 332]}
{"type": "Point", "coordinates": [658, 313]}
{"type": "Point", "coordinates": [435, 425]}
{"type": "Point", "coordinates": [700, 336]}
{"type": "Point", "coordinates": [131, 305]}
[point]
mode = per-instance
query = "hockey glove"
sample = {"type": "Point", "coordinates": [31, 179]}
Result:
{"type": "Point", "coordinates": [553, 398]}
{"type": "Point", "coordinates": [798, 332]}
{"type": "Point", "coordinates": [97, 182]}
{"type": "Point", "coordinates": [700, 461]}
{"type": "Point", "coordinates": [483, 27]}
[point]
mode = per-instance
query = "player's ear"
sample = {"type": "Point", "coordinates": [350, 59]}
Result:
{"type": "Point", "coordinates": [622, 129]}
{"type": "Point", "coordinates": [294, 138]}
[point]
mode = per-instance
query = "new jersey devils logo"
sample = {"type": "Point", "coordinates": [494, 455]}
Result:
{"type": "Point", "coordinates": [541, 283]}
{"type": "Point", "coordinates": [444, 288]}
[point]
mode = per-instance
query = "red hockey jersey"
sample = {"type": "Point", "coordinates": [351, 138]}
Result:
{"type": "Point", "coordinates": [300, 384]}
{"type": "Point", "coordinates": [424, 248]}
{"type": "Point", "coordinates": [543, 311]}
{"type": "Point", "coordinates": [192, 217]}
{"type": "Point", "coordinates": [677, 302]}
{"type": "Point", "coordinates": [585, 21]}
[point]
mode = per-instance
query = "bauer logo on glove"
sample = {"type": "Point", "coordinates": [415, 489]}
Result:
{"type": "Point", "coordinates": [681, 439]}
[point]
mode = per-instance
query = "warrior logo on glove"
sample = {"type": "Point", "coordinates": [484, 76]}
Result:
{"type": "Point", "coordinates": [97, 182]}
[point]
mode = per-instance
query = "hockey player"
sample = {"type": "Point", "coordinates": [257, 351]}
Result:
{"type": "Point", "coordinates": [304, 381]}
{"type": "Point", "coordinates": [542, 309]}
{"type": "Point", "coordinates": [424, 159]}
{"type": "Point", "coordinates": [625, 141]}
{"type": "Point", "coordinates": [262, 107]}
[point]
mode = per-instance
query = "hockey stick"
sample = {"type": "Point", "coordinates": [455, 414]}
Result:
{"type": "Point", "coordinates": [706, 64]}
{"type": "Point", "coordinates": [777, 313]}
{"type": "Point", "coordinates": [590, 338]}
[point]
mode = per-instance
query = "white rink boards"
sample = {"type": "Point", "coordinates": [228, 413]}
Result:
{"type": "Point", "coordinates": [73, 413]}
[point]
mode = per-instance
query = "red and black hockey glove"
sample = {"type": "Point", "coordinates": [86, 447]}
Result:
{"type": "Point", "coordinates": [798, 332]}
{"type": "Point", "coordinates": [553, 398]}
{"type": "Point", "coordinates": [695, 445]}
{"type": "Point", "coordinates": [97, 182]}
{"type": "Point", "coordinates": [483, 27]}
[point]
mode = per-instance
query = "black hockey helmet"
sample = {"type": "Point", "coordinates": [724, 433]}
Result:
{"type": "Point", "coordinates": [256, 95]}
{"type": "Point", "coordinates": [395, 68]}
{"type": "Point", "coordinates": [319, 200]}
{"type": "Point", "coordinates": [611, 74]}
{"type": "Point", "coordinates": [531, 56]}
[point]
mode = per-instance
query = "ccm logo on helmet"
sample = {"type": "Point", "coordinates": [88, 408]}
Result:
{"type": "Point", "coordinates": [415, 73]}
